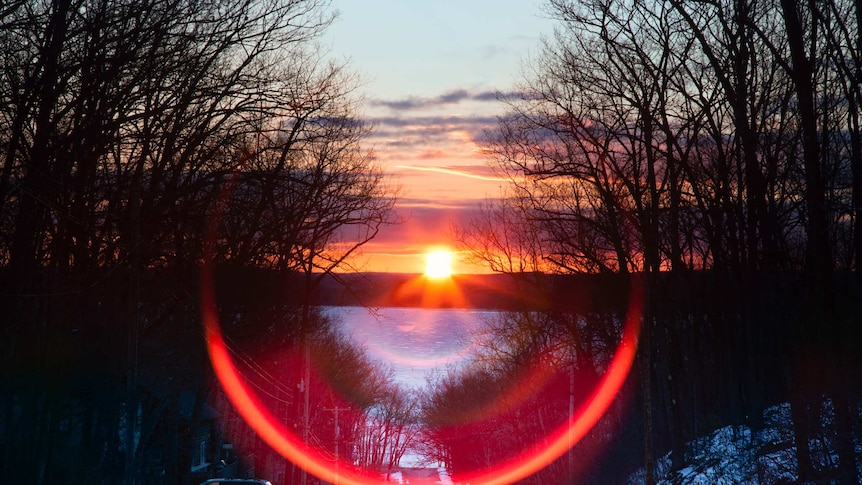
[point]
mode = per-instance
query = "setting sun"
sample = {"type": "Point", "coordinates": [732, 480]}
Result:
{"type": "Point", "coordinates": [438, 264]}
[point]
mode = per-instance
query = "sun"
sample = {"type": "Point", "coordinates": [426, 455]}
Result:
{"type": "Point", "coordinates": [438, 264]}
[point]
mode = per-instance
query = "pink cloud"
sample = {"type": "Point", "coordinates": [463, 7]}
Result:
{"type": "Point", "coordinates": [471, 171]}
{"type": "Point", "coordinates": [433, 155]}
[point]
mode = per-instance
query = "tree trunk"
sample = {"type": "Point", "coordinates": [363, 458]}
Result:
{"type": "Point", "coordinates": [818, 264]}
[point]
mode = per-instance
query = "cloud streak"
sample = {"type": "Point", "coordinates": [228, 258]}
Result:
{"type": "Point", "coordinates": [426, 125]}
{"type": "Point", "coordinates": [452, 97]}
{"type": "Point", "coordinates": [429, 137]}
{"type": "Point", "coordinates": [471, 171]}
{"type": "Point", "coordinates": [441, 122]}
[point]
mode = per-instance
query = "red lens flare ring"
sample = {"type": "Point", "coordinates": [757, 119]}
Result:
{"type": "Point", "coordinates": [314, 461]}
{"type": "Point", "coordinates": [292, 448]}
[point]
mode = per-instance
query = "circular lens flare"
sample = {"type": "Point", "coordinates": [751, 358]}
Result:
{"type": "Point", "coordinates": [288, 445]}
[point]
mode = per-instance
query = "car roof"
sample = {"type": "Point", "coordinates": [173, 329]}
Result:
{"type": "Point", "coordinates": [236, 481]}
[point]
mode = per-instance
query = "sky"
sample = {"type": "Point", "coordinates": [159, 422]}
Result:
{"type": "Point", "coordinates": [431, 71]}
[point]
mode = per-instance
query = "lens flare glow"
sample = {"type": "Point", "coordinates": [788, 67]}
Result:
{"type": "Point", "coordinates": [291, 447]}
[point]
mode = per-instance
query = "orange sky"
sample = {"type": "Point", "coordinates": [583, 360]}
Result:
{"type": "Point", "coordinates": [432, 76]}
{"type": "Point", "coordinates": [432, 203]}
{"type": "Point", "coordinates": [430, 148]}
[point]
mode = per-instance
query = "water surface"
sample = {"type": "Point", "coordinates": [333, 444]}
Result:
{"type": "Point", "coordinates": [414, 341]}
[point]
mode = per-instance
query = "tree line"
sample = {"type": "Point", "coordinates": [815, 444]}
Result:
{"type": "Point", "coordinates": [712, 149]}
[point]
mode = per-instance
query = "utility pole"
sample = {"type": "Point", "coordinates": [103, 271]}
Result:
{"type": "Point", "coordinates": [306, 339]}
{"type": "Point", "coordinates": [571, 452]}
{"type": "Point", "coordinates": [303, 476]}
{"type": "Point", "coordinates": [337, 435]}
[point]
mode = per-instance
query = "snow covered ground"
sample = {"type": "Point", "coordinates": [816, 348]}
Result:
{"type": "Point", "coordinates": [734, 455]}
{"type": "Point", "coordinates": [425, 476]}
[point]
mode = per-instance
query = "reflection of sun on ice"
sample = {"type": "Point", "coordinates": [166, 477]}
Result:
{"type": "Point", "coordinates": [438, 264]}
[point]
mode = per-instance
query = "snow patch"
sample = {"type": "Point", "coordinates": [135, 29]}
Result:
{"type": "Point", "coordinates": [734, 455]}
{"type": "Point", "coordinates": [445, 479]}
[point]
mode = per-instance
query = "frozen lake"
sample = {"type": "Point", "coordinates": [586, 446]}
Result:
{"type": "Point", "coordinates": [414, 341]}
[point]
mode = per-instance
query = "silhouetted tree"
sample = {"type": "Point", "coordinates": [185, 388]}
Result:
{"type": "Point", "coordinates": [672, 138]}
{"type": "Point", "coordinates": [123, 127]}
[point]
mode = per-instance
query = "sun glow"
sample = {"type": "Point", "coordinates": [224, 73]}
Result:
{"type": "Point", "coordinates": [438, 264]}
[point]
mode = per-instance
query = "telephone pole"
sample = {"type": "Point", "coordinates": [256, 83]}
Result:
{"type": "Point", "coordinates": [571, 451]}
{"type": "Point", "coordinates": [303, 475]}
{"type": "Point", "coordinates": [337, 436]}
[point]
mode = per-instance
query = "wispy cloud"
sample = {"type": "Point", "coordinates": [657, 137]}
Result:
{"type": "Point", "coordinates": [430, 131]}
{"type": "Point", "coordinates": [426, 122]}
{"type": "Point", "coordinates": [419, 127]}
{"type": "Point", "coordinates": [437, 205]}
{"type": "Point", "coordinates": [454, 96]}
{"type": "Point", "coordinates": [432, 155]}
{"type": "Point", "coordinates": [428, 224]}
{"type": "Point", "coordinates": [472, 171]}
{"type": "Point", "coordinates": [429, 137]}
{"type": "Point", "coordinates": [416, 102]}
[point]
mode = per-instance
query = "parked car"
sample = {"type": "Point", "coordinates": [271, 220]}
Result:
{"type": "Point", "coordinates": [235, 481]}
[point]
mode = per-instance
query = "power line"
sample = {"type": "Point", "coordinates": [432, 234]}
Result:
{"type": "Point", "coordinates": [260, 372]}
{"type": "Point", "coordinates": [257, 368]}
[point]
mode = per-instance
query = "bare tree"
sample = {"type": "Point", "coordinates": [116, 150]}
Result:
{"type": "Point", "coordinates": [388, 431]}
{"type": "Point", "coordinates": [674, 137]}
{"type": "Point", "coordinates": [122, 124]}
